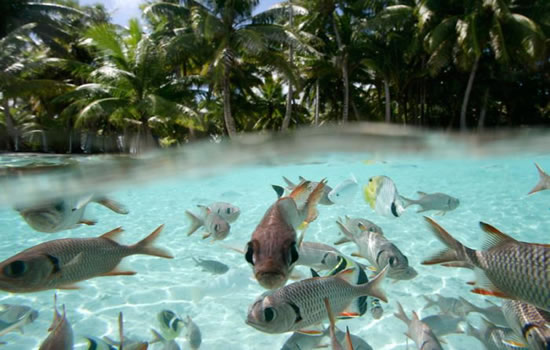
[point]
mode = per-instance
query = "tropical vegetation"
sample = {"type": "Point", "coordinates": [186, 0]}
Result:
{"type": "Point", "coordinates": [73, 81]}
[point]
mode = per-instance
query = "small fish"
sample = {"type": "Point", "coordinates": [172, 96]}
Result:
{"type": "Point", "coordinates": [376, 309]}
{"type": "Point", "coordinates": [61, 333]}
{"type": "Point", "coordinates": [300, 341]}
{"type": "Point", "coordinates": [418, 331]}
{"type": "Point", "coordinates": [65, 214]}
{"type": "Point", "coordinates": [211, 266]}
{"type": "Point", "coordinates": [493, 313]}
{"type": "Point", "coordinates": [380, 252]}
{"type": "Point", "coordinates": [529, 323]}
{"type": "Point", "coordinates": [170, 324]}
{"type": "Point", "coordinates": [344, 192]}
{"type": "Point", "coordinates": [272, 251]}
{"type": "Point", "coordinates": [62, 262]}
{"type": "Point", "coordinates": [356, 226]}
{"type": "Point", "coordinates": [506, 268]}
{"type": "Point", "coordinates": [15, 317]}
{"type": "Point", "coordinates": [433, 201]}
{"type": "Point", "coordinates": [192, 334]}
{"type": "Point", "coordinates": [95, 343]}
{"type": "Point", "coordinates": [228, 211]}
{"type": "Point", "coordinates": [214, 225]}
{"type": "Point", "coordinates": [442, 325]}
{"type": "Point", "coordinates": [318, 256]}
{"type": "Point", "coordinates": [382, 196]}
{"type": "Point", "coordinates": [493, 337]}
{"type": "Point", "coordinates": [324, 200]}
{"type": "Point", "coordinates": [544, 181]}
{"type": "Point", "coordinates": [449, 305]}
{"type": "Point", "coordinates": [300, 305]}
{"type": "Point", "coordinates": [166, 344]}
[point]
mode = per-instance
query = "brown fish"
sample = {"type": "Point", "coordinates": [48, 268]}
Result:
{"type": "Point", "coordinates": [61, 333]}
{"type": "Point", "coordinates": [506, 268]}
{"type": "Point", "coordinates": [544, 181]}
{"type": "Point", "coordinates": [272, 251]}
{"type": "Point", "coordinates": [62, 262]}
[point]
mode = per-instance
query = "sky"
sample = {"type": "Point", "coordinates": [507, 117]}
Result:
{"type": "Point", "coordinates": [122, 10]}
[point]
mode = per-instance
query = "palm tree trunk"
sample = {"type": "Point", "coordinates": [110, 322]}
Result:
{"type": "Point", "coordinates": [10, 126]}
{"type": "Point", "coordinates": [289, 97]}
{"type": "Point", "coordinates": [483, 112]}
{"type": "Point", "coordinates": [317, 103]}
{"type": "Point", "coordinates": [345, 78]}
{"type": "Point", "coordinates": [464, 108]}
{"type": "Point", "coordinates": [229, 121]}
{"type": "Point", "coordinates": [388, 101]}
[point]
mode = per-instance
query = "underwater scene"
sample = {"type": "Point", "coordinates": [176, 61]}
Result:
{"type": "Point", "coordinates": [405, 238]}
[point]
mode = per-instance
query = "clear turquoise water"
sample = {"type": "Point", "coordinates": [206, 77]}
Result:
{"type": "Point", "coordinates": [491, 188]}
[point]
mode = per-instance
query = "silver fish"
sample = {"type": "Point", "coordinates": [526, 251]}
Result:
{"type": "Point", "coordinates": [380, 252]}
{"type": "Point", "coordinates": [226, 210]}
{"type": "Point", "coordinates": [65, 214]}
{"type": "Point", "coordinates": [506, 268]}
{"type": "Point", "coordinates": [544, 181]}
{"type": "Point", "coordinates": [433, 201]}
{"type": "Point", "coordinates": [442, 325]}
{"type": "Point", "coordinates": [170, 324]}
{"type": "Point", "coordinates": [300, 341]}
{"type": "Point", "coordinates": [418, 331]}
{"type": "Point", "coordinates": [214, 225]}
{"type": "Point", "coordinates": [529, 323]}
{"type": "Point", "coordinates": [192, 334]}
{"type": "Point", "coordinates": [61, 333]}
{"type": "Point", "coordinates": [62, 262]}
{"type": "Point", "coordinates": [324, 200]}
{"type": "Point", "coordinates": [376, 309]}
{"type": "Point", "coordinates": [212, 266]}
{"type": "Point", "coordinates": [166, 344]}
{"type": "Point", "coordinates": [318, 256]}
{"type": "Point", "coordinates": [493, 313]}
{"type": "Point", "coordinates": [300, 305]}
{"type": "Point", "coordinates": [15, 317]}
{"type": "Point", "coordinates": [449, 305]}
{"type": "Point", "coordinates": [491, 336]}
{"type": "Point", "coordinates": [356, 226]}
{"type": "Point", "coordinates": [382, 196]}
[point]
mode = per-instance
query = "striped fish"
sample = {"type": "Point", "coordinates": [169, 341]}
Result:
{"type": "Point", "coordinates": [529, 323]}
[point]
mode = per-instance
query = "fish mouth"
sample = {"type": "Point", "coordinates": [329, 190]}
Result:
{"type": "Point", "coordinates": [271, 279]}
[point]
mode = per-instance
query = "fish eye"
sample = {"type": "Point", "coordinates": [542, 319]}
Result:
{"type": "Point", "coordinates": [249, 254]}
{"type": "Point", "coordinates": [216, 227]}
{"type": "Point", "coordinates": [228, 210]}
{"type": "Point", "coordinates": [269, 314]}
{"type": "Point", "coordinates": [15, 269]}
{"type": "Point", "coordinates": [293, 253]}
{"type": "Point", "coordinates": [393, 261]}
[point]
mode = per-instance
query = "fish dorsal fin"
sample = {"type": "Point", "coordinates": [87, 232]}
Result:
{"type": "Point", "coordinates": [204, 208]}
{"type": "Point", "coordinates": [300, 190]}
{"type": "Point", "coordinates": [422, 194]}
{"type": "Point", "coordinates": [494, 237]}
{"type": "Point", "coordinates": [348, 275]}
{"type": "Point", "coordinates": [302, 179]}
{"type": "Point", "coordinates": [542, 173]}
{"type": "Point", "coordinates": [289, 183]}
{"type": "Point", "coordinates": [113, 233]}
{"type": "Point", "coordinates": [314, 273]}
{"type": "Point", "coordinates": [415, 316]}
{"type": "Point", "coordinates": [279, 190]}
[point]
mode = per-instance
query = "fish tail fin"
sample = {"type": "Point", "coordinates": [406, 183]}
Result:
{"type": "Point", "coordinates": [455, 251]}
{"type": "Point", "coordinates": [289, 184]}
{"type": "Point", "coordinates": [541, 184]}
{"type": "Point", "coordinates": [400, 314]}
{"type": "Point", "coordinates": [145, 246]}
{"type": "Point", "coordinates": [407, 201]}
{"type": "Point", "coordinates": [469, 306]}
{"type": "Point", "coordinates": [157, 337]}
{"type": "Point", "coordinates": [111, 204]}
{"type": "Point", "coordinates": [195, 222]}
{"type": "Point", "coordinates": [373, 287]}
{"type": "Point", "coordinates": [345, 231]}
{"type": "Point", "coordinates": [429, 302]}
{"type": "Point", "coordinates": [311, 202]}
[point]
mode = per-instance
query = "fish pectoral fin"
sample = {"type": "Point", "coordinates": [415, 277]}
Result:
{"type": "Point", "coordinates": [206, 235]}
{"type": "Point", "coordinates": [87, 222]}
{"type": "Point", "coordinates": [117, 272]}
{"type": "Point", "coordinates": [421, 210]}
{"type": "Point", "coordinates": [68, 286]}
{"type": "Point", "coordinates": [312, 330]}
{"type": "Point", "coordinates": [357, 255]}
{"type": "Point", "coordinates": [111, 204]}
{"type": "Point", "coordinates": [515, 342]}
{"type": "Point", "coordinates": [342, 241]}
{"type": "Point", "coordinates": [74, 261]}
{"type": "Point", "coordinates": [486, 287]}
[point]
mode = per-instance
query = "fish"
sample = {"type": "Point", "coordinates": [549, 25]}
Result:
{"type": "Point", "coordinates": [214, 225]}
{"type": "Point", "coordinates": [530, 324]}
{"type": "Point", "coordinates": [449, 305]}
{"type": "Point", "coordinates": [376, 309]}
{"type": "Point", "coordinates": [272, 250]}
{"type": "Point", "coordinates": [192, 333]}
{"type": "Point", "coordinates": [318, 256]}
{"type": "Point", "coordinates": [492, 313]}
{"type": "Point", "coordinates": [300, 341]}
{"type": "Point", "coordinates": [300, 306]}
{"type": "Point", "coordinates": [170, 324]}
{"type": "Point", "coordinates": [211, 266]}
{"type": "Point", "coordinates": [380, 252]}
{"type": "Point", "coordinates": [65, 214]}
{"type": "Point", "coordinates": [126, 343]}
{"type": "Point", "coordinates": [492, 336]}
{"type": "Point", "coordinates": [382, 196]}
{"type": "Point", "coordinates": [418, 331]}
{"type": "Point", "coordinates": [324, 200]}
{"type": "Point", "coordinates": [166, 344]}
{"type": "Point", "coordinates": [433, 201]}
{"type": "Point", "coordinates": [506, 268]}
{"type": "Point", "coordinates": [15, 317]}
{"type": "Point", "coordinates": [95, 343]}
{"type": "Point", "coordinates": [356, 226]}
{"type": "Point", "coordinates": [443, 325]}
{"type": "Point", "coordinates": [61, 332]}
{"type": "Point", "coordinates": [227, 211]}
{"type": "Point", "coordinates": [544, 181]}
{"type": "Point", "coordinates": [357, 343]}
{"type": "Point", "coordinates": [344, 192]}
{"type": "Point", "coordinates": [60, 263]}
